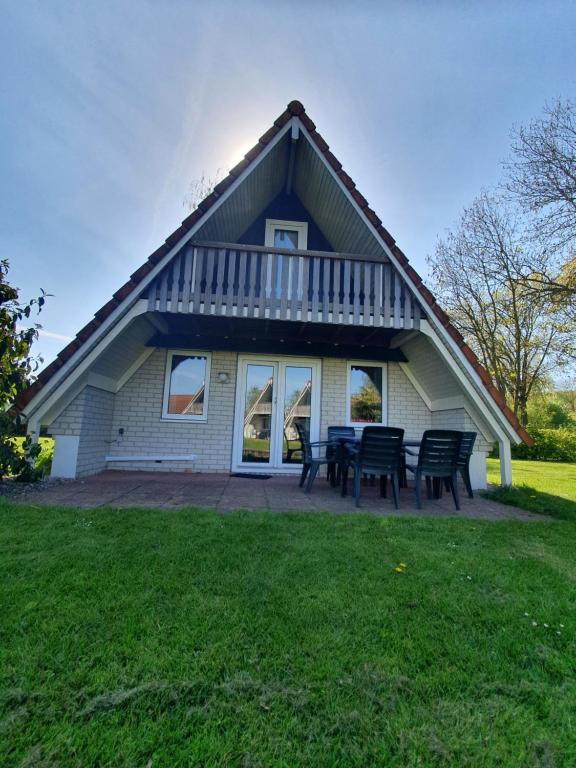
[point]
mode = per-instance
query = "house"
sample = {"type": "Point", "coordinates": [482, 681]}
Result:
{"type": "Point", "coordinates": [281, 298]}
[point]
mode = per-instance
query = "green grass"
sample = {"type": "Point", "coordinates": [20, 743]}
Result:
{"type": "Point", "coordinates": [539, 486]}
{"type": "Point", "coordinates": [150, 638]}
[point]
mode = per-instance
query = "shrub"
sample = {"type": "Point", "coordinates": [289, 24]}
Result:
{"type": "Point", "coordinates": [42, 459]}
{"type": "Point", "coordinates": [549, 445]}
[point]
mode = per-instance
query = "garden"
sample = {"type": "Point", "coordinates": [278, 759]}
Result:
{"type": "Point", "coordinates": [191, 638]}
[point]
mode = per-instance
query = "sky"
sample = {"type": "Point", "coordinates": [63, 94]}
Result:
{"type": "Point", "coordinates": [109, 110]}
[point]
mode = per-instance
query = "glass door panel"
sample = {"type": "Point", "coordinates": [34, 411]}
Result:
{"type": "Point", "coordinates": [297, 397]}
{"type": "Point", "coordinates": [258, 414]}
{"type": "Point", "coordinates": [272, 397]}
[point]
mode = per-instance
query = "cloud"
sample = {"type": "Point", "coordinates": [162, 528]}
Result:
{"type": "Point", "coordinates": [50, 334]}
{"type": "Point", "coordinates": [53, 335]}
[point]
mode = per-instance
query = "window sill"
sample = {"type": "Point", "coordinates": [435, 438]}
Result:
{"type": "Point", "coordinates": [186, 419]}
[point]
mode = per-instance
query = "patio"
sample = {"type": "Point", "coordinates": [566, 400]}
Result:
{"type": "Point", "coordinates": [224, 493]}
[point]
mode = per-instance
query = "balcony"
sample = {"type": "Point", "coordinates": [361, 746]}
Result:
{"type": "Point", "coordinates": [247, 281]}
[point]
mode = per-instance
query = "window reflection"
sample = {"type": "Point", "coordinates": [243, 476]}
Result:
{"type": "Point", "coordinates": [258, 413]}
{"type": "Point", "coordinates": [286, 238]}
{"type": "Point", "coordinates": [297, 410]}
{"type": "Point", "coordinates": [187, 384]}
{"type": "Point", "coordinates": [366, 394]}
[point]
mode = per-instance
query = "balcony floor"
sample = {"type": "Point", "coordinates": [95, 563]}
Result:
{"type": "Point", "coordinates": [174, 490]}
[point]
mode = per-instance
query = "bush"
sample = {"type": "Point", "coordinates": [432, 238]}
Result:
{"type": "Point", "coordinates": [547, 413]}
{"type": "Point", "coordinates": [549, 445]}
{"type": "Point", "coordinates": [43, 463]}
{"type": "Point", "coordinates": [42, 459]}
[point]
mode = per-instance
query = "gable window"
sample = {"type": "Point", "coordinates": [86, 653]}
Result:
{"type": "Point", "coordinates": [289, 235]}
{"type": "Point", "coordinates": [366, 394]}
{"type": "Point", "coordinates": [186, 386]}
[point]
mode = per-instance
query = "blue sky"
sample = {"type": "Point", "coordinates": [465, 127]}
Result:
{"type": "Point", "coordinates": [110, 109]}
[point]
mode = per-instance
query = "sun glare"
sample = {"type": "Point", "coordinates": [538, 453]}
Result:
{"type": "Point", "coordinates": [237, 153]}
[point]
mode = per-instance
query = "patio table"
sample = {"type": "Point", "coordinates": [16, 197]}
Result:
{"type": "Point", "coordinates": [345, 442]}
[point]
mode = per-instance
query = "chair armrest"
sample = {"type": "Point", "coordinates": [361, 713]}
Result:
{"type": "Point", "coordinates": [318, 443]}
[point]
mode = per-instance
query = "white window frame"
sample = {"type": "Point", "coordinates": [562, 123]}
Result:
{"type": "Point", "coordinates": [183, 416]}
{"type": "Point", "coordinates": [371, 364]}
{"type": "Point", "coordinates": [301, 227]}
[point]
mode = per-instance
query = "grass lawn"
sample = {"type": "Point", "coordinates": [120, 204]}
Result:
{"type": "Point", "coordinates": [150, 638]}
{"type": "Point", "coordinates": [539, 486]}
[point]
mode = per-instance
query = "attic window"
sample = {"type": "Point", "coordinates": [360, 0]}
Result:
{"type": "Point", "coordinates": [289, 235]}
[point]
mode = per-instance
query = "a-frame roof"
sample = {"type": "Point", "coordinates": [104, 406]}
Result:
{"type": "Point", "coordinates": [294, 109]}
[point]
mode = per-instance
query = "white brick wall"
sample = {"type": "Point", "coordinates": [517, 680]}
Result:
{"type": "Point", "coordinates": [333, 395]}
{"type": "Point", "coordinates": [406, 409]}
{"type": "Point", "coordinates": [89, 416]}
{"type": "Point", "coordinates": [459, 418]}
{"type": "Point", "coordinates": [69, 422]}
{"type": "Point", "coordinates": [95, 434]}
{"type": "Point", "coordinates": [138, 410]}
{"type": "Point", "coordinates": [96, 416]}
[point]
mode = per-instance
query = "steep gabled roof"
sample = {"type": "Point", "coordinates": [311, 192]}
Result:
{"type": "Point", "coordinates": [294, 109]}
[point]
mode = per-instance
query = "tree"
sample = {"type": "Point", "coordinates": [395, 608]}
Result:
{"type": "Point", "coordinates": [541, 177]}
{"type": "Point", "coordinates": [201, 188]}
{"type": "Point", "coordinates": [17, 366]}
{"type": "Point", "coordinates": [548, 411]}
{"type": "Point", "coordinates": [516, 332]}
{"type": "Point", "coordinates": [366, 403]}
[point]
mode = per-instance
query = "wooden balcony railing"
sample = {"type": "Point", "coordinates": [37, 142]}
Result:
{"type": "Point", "coordinates": [308, 286]}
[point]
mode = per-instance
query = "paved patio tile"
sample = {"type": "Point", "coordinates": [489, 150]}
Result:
{"type": "Point", "coordinates": [174, 490]}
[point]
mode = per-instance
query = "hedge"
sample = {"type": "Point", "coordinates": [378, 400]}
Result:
{"type": "Point", "coordinates": [549, 445]}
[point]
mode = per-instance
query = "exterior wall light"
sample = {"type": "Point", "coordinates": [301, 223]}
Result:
{"type": "Point", "coordinates": [223, 377]}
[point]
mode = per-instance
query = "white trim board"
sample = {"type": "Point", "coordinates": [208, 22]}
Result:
{"type": "Point", "coordinates": [441, 404]}
{"type": "Point", "coordinates": [463, 380]}
{"type": "Point", "coordinates": [136, 365]}
{"type": "Point", "coordinates": [447, 403]}
{"type": "Point", "coordinates": [47, 398]}
{"type": "Point", "coordinates": [91, 380]}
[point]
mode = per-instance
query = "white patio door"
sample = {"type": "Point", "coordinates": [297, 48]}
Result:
{"type": "Point", "coordinates": [272, 396]}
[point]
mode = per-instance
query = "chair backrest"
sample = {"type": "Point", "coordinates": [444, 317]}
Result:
{"type": "Point", "coordinates": [439, 452]}
{"type": "Point", "coordinates": [381, 448]}
{"type": "Point", "coordinates": [305, 442]}
{"type": "Point", "coordinates": [335, 432]}
{"type": "Point", "coordinates": [466, 448]}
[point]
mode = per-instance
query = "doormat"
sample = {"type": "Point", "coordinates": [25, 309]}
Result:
{"type": "Point", "coordinates": [250, 476]}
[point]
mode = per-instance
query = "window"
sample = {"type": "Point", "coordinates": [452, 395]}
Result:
{"type": "Point", "coordinates": [186, 386]}
{"type": "Point", "coordinates": [290, 235]}
{"type": "Point", "coordinates": [366, 394]}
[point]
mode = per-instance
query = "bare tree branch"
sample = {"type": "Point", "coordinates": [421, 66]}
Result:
{"type": "Point", "coordinates": [541, 178]}
{"type": "Point", "coordinates": [477, 273]}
